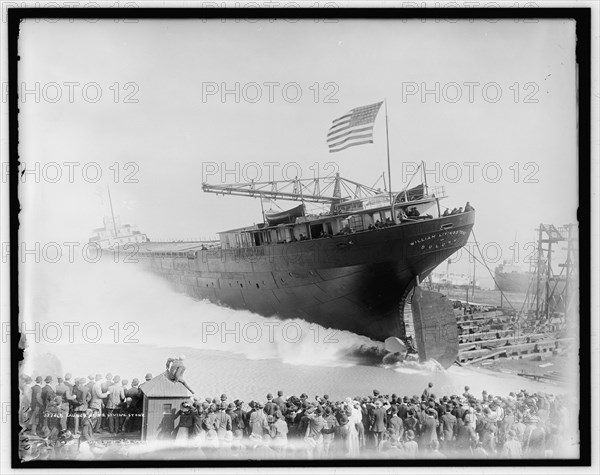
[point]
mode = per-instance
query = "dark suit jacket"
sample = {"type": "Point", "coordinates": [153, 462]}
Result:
{"type": "Point", "coordinates": [83, 397]}
{"type": "Point", "coordinates": [281, 403]}
{"type": "Point", "coordinates": [271, 408]}
{"type": "Point", "coordinates": [396, 424]}
{"type": "Point", "coordinates": [48, 395]}
{"type": "Point", "coordinates": [36, 398]}
{"type": "Point", "coordinates": [378, 419]}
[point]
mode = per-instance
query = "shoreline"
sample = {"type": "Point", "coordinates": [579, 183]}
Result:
{"type": "Point", "coordinates": [212, 372]}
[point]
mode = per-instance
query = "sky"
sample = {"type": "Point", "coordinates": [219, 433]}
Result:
{"type": "Point", "coordinates": [497, 128]}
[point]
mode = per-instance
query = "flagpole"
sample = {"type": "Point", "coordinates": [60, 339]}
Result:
{"type": "Point", "coordinates": [387, 138]}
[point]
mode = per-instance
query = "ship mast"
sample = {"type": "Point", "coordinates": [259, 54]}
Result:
{"type": "Point", "coordinates": [112, 213]}
{"type": "Point", "coordinates": [387, 138]}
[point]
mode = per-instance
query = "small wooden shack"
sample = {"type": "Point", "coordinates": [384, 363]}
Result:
{"type": "Point", "coordinates": [162, 400]}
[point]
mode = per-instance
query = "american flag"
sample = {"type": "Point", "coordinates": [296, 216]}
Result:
{"type": "Point", "coordinates": [353, 128]}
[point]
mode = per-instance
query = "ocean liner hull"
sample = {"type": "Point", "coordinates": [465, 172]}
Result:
{"type": "Point", "coordinates": [512, 281]}
{"type": "Point", "coordinates": [356, 282]}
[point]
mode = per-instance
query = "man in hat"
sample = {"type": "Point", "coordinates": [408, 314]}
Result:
{"type": "Point", "coordinates": [458, 411]}
{"type": "Point", "coordinates": [467, 394]}
{"type": "Point", "coordinates": [209, 421]}
{"type": "Point", "coordinates": [64, 393]}
{"type": "Point", "coordinates": [97, 397]}
{"type": "Point", "coordinates": [292, 419]}
{"type": "Point", "coordinates": [147, 378]}
{"type": "Point", "coordinates": [103, 418]}
{"type": "Point", "coordinates": [270, 406]}
{"type": "Point", "coordinates": [377, 423]}
{"type": "Point", "coordinates": [395, 425]}
{"type": "Point", "coordinates": [69, 382]}
{"type": "Point", "coordinates": [411, 422]}
{"type": "Point", "coordinates": [37, 405]}
{"type": "Point", "coordinates": [238, 419]}
{"type": "Point", "coordinates": [116, 396]}
{"type": "Point", "coordinates": [222, 421]}
{"type": "Point", "coordinates": [403, 408]}
{"type": "Point", "coordinates": [448, 424]}
{"type": "Point", "coordinates": [91, 380]}
{"type": "Point", "coordinates": [280, 401]}
{"type": "Point", "coordinates": [427, 390]}
{"type": "Point", "coordinates": [68, 379]}
{"type": "Point", "coordinates": [185, 426]}
{"type": "Point", "coordinates": [48, 395]}
{"type": "Point", "coordinates": [135, 393]}
{"type": "Point", "coordinates": [304, 400]}
{"type": "Point", "coordinates": [82, 399]}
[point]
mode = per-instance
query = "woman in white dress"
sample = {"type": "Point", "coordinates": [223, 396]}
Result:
{"type": "Point", "coordinates": [354, 417]}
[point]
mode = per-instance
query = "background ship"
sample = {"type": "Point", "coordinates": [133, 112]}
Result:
{"type": "Point", "coordinates": [511, 278]}
{"type": "Point", "coordinates": [351, 268]}
{"type": "Point", "coordinates": [454, 280]}
{"type": "Point", "coordinates": [113, 233]}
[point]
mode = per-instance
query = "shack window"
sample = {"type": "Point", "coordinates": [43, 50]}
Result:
{"type": "Point", "coordinates": [167, 408]}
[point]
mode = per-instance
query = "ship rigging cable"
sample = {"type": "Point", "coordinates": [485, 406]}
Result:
{"type": "Point", "coordinates": [488, 269]}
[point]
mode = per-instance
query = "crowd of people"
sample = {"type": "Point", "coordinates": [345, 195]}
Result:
{"type": "Point", "coordinates": [517, 425]}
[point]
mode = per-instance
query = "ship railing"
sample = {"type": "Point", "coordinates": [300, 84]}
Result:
{"type": "Point", "coordinates": [436, 192]}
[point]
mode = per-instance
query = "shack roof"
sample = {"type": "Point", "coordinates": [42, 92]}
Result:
{"type": "Point", "coordinates": [162, 386]}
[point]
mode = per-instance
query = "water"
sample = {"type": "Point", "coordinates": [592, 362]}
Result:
{"type": "Point", "coordinates": [115, 317]}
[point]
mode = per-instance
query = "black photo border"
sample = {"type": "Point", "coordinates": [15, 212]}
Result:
{"type": "Point", "coordinates": [582, 17]}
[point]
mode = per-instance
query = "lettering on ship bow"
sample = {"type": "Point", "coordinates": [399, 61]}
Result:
{"type": "Point", "coordinates": [437, 240]}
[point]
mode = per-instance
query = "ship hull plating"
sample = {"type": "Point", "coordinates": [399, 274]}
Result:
{"type": "Point", "coordinates": [352, 282]}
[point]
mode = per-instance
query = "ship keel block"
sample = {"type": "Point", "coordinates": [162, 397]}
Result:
{"type": "Point", "coordinates": [436, 330]}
